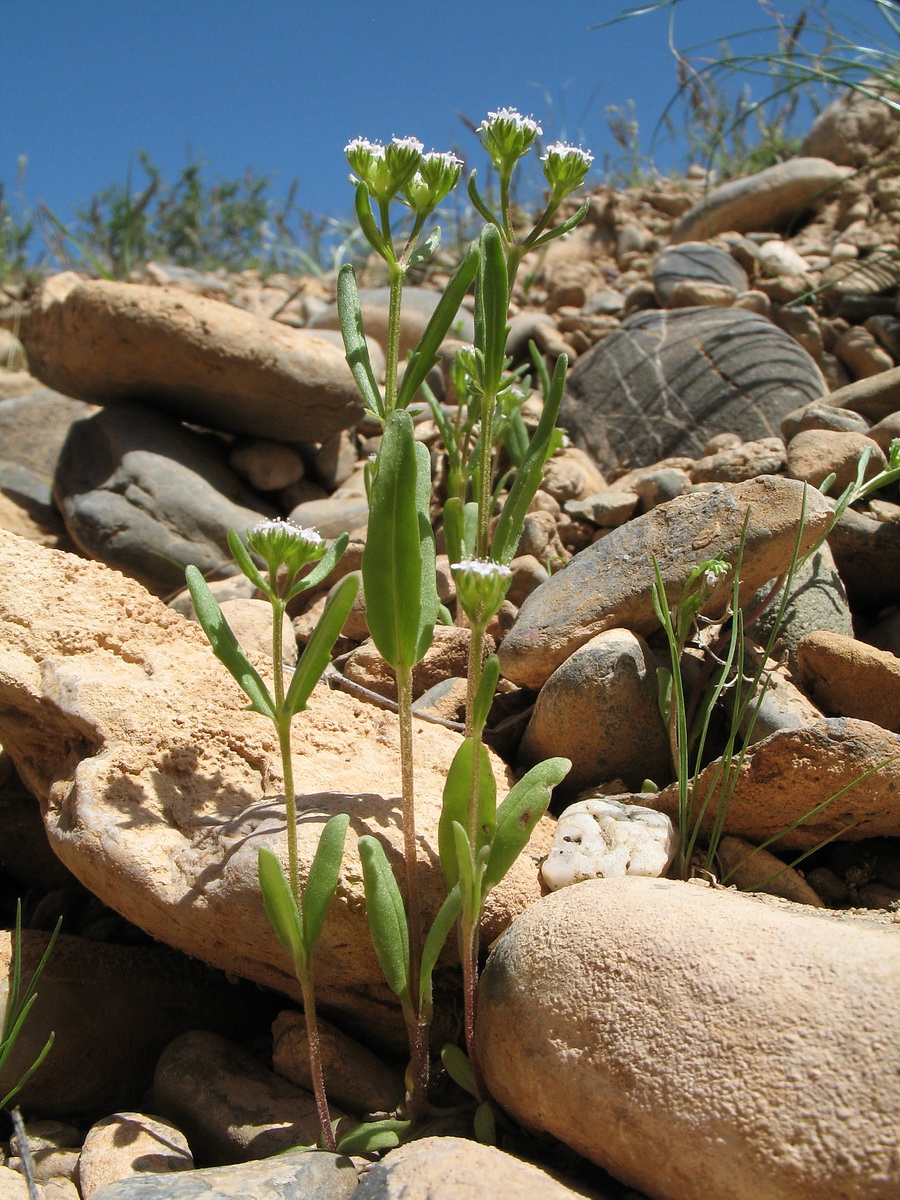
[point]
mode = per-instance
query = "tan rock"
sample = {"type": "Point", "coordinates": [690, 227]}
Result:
{"type": "Point", "coordinates": [861, 354]}
{"type": "Point", "coordinates": [158, 788]}
{"type": "Point", "coordinates": [876, 396]}
{"type": "Point", "coordinates": [199, 359]}
{"type": "Point", "coordinates": [752, 869]}
{"type": "Point", "coordinates": [697, 1042]}
{"type": "Point", "coordinates": [130, 1144]}
{"type": "Point", "coordinates": [848, 678]}
{"type": "Point", "coordinates": [816, 453]}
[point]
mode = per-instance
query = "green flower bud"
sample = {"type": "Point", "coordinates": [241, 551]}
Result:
{"type": "Point", "coordinates": [507, 136]}
{"type": "Point", "coordinates": [438, 175]}
{"type": "Point", "coordinates": [385, 170]}
{"type": "Point", "coordinates": [480, 587]}
{"type": "Point", "coordinates": [284, 543]}
{"type": "Point", "coordinates": [566, 168]}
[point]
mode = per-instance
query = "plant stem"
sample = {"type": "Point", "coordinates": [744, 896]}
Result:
{"type": "Point", "coordinates": [314, 1052]}
{"type": "Point", "coordinates": [392, 354]}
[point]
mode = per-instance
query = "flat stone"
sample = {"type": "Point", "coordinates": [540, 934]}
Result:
{"type": "Point", "coordinates": [697, 262]}
{"type": "Point", "coordinates": [129, 1144]}
{"type": "Point", "coordinates": [610, 584]}
{"type": "Point", "coordinates": [144, 494]}
{"type": "Point", "coordinates": [875, 397]}
{"type": "Point", "coordinates": [740, 1018]}
{"type": "Point", "coordinates": [667, 381]}
{"type": "Point", "coordinates": [848, 678]}
{"type": "Point", "coordinates": [198, 359]}
{"type": "Point", "coordinates": [768, 199]}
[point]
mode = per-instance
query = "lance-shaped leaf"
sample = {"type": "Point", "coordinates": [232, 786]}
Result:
{"type": "Point", "coordinates": [367, 223]}
{"type": "Point", "coordinates": [479, 202]}
{"type": "Point", "coordinates": [484, 697]}
{"type": "Point", "coordinates": [434, 943]}
{"type": "Point", "coordinates": [323, 877]}
{"type": "Point", "coordinates": [485, 1124]}
{"type": "Point", "coordinates": [528, 478]}
{"type": "Point", "coordinates": [373, 1135]}
{"type": "Point", "coordinates": [457, 797]}
{"type": "Point", "coordinates": [241, 556]}
{"type": "Point", "coordinates": [517, 816]}
{"type": "Point", "coordinates": [225, 644]}
{"type": "Point", "coordinates": [457, 1065]}
{"type": "Point", "coordinates": [387, 917]}
{"type": "Point", "coordinates": [401, 591]}
{"type": "Point", "coordinates": [281, 906]}
{"type": "Point", "coordinates": [564, 227]}
{"type": "Point", "coordinates": [427, 248]}
{"type": "Point", "coordinates": [425, 354]}
{"type": "Point", "coordinates": [322, 568]}
{"type": "Point", "coordinates": [469, 876]}
{"type": "Point", "coordinates": [317, 652]}
{"type": "Point", "coordinates": [355, 348]}
{"type": "Point", "coordinates": [492, 298]}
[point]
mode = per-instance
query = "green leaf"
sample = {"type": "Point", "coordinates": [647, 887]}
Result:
{"type": "Point", "coordinates": [453, 528]}
{"type": "Point", "coordinates": [511, 521]}
{"type": "Point", "coordinates": [479, 203]}
{"type": "Point", "coordinates": [427, 248]}
{"type": "Point", "coordinates": [373, 1135]}
{"type": "Point", "coordinates": [322, 568]}
{"type": "Point", "coordinates": [485, 1124]}
{"type": "Point", "coordinates": [355, 347]}
{"type": "Point", "coordinates": [367, 223]}
{"type": "Point", "coordinates": [456, 800]}
{"type": "Point", "coordinates": [281, 906]}
{"type": "Point", "coordinates": [317, 651]}
{"type": "Point", "coordinates": [241, 556]}
{"type": "Point", "coordinates": [430, 602]}
{"type": "Point", "coordinates": [434, 943]}
{"type": "Point", "coordinates": [457, 1065]}
{"type": "Point", "coordinates": [564, 227]}
{"type": "Point", "coordinates": [397, 564]}
{"type": "Point", "coordinates": [425, 354]}
{"type": "Point", "coordinates": [484, 697]}
{"type": "Point", "coordinates": [387, 916]}
{"type": "Point", "coordinates": [323, 878]}
{"type": "Point", "coordinates": [492, 297]}
{"type": "Point", "coordinates": [469, 876]}
{"type": "Point", "coordinates": [225, 645]}
{"type": "Point", "coordinates": [518, 814]}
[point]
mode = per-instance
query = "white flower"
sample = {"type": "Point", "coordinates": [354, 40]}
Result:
{"type": "Point", "coordinates": [480, 587]}
{"type": "Point", "coordinates": [507, 136]}
{"type": "Point", "coordinates": [564, 150]}
{"type": "Point", "coordinates": [510, 116]}
{"type": "Point", "coordinates": [408, 143]}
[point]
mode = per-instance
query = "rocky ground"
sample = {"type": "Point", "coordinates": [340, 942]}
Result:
{"type": "Point", "coordinates": [729, 345]}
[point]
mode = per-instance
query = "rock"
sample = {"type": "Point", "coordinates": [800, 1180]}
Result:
{"type": "Point", "coordinates": [112, 1008]}
{"type": "Point", "coordinates": [267, 466]}
{"type": "Point", "coordinates": [355, 1079]}
{"type": "Point", "coordinates": [12, 353]}
{"type": "Point", "coordinates": [855, 130]}
{"type": "Point", "coordinates": [802, 324]}
{"type": "Point", "coordinates": [779, 258]}
{"type": "Point", "coordinates": [777, 786]}
{"type": "Point", "coordinates": [739, 1019]}
{"type": "Point", "coordinates": [696, 262]}
{"type": "Point", "coordinates": [231, 1108]}
{"type": "Point", "coordinates": [599, 708]}
{"type": "Point", "coordinates": [452, 1168]}
{"type": "Point", "coordinates": [738, 463]}
{"type": "Point", "coordinates": [817, 453]}
{"type": "Point", "coordinates": [297, 1175]}
{"type": "Point", "coordinates": [861, 354]}
{"type": "Point", "coordinates": [666, 381]}
{"type": "Point", "coordinates": [776, 703]}
{"type": "Point", "coordinates": [867, 554]}
{"type": "Point", "coordinates": [200, 360]}
{"type": "Point", "coordinates": [111, 705]}
{"type": "Point", "coordinates": [130, 1144]}
{"type": "Point", "coordinates": [446, 657]}
{"type": "Point", "coordinates": [886, 431]}
{"type": "Point", "coordinates": [610, 584]}
{"type": "Point", "coordinates": [148, 496]}
{"type": "Point", "coordinates": [334, 516]}
{"type": "Point", "coordinates": [847, 678]}
{"type": "Point", "coordinates": [418, 305]}
{"type": "Point", "coordinates": [605, 509]}
{"type": "Point", "coordinates": [751, 869]}
{"type": "Point", "coordinates": [768, 199]}
{"type": "Point", "coordinates": [604, 838]}
{"type": "Point", "coordinates": [13, 1185]}
{"type": "Point", "coordinates": [821, 415]}
{"type": "Point", "coordinates": [233, 587]}
{"type": "Point", "coordinates": [54, 1147]}
{"type": "Point", "coordinates": [251, 624]}
{"type": "Point", "coordinates": [689, 293]}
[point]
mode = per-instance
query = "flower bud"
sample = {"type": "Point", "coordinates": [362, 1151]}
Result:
{"type": "Point", "coordinates": [285, 543]}
{"type": "Point", "coordinates": [437, 176]}
{"type": "Point", "coordinates": [507, 136]}
{"type": "Point", "coordinates": [480, 587]}
{"type": "Point", "coordinates": [385, 170]}
{"type": "Point", "coordinates": [566, 168]}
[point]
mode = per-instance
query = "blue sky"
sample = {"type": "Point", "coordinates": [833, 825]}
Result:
{"type": "Point", "coordinates": [282, 85]}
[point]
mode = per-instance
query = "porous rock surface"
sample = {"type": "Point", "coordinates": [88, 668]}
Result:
{"type": "Point", "coordinates": [697, 1042]}
{"type": "Point", "coordinates": [158, 789]}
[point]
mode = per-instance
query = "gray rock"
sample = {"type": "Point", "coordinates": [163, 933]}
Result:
{"type": "Point", "coordinates": [867, 553]}
{"type": "Point", "coordinates": [876, 397]}
{"type": "Point", "coordinates": [610, 584]}
{"type": "Point", "coordinates": [199, 359]}
{"type": "Point", "coordinates": [766, 200]}
{"type": "Point", "coordinates": [738, 463]}
{"type": "Point", "coordinates": [144, 494]}
{"type": "Point", "coordinates": [334, 516]}
{"type": "Point", "coordinates": [697, 261]}
{"type": "Point", "coordinates": [821, 415]}
{"type": "Point", "coordinates": [599, 708]}
{"type": "Point", "coordinates": [299, 1175]}
{"type": "Point", "coordinates": [229, 1106]}
{"type": "Point", "coordinates": [667, 381]}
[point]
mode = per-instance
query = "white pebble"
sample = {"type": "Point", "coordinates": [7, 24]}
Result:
{"type": "Point", "coordinates": [602, 839]}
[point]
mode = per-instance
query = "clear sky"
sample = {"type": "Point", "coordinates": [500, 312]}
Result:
{"type": "Point", "coordinates": [282, 85]}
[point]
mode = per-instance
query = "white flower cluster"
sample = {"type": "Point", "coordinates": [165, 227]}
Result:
{"type": "Point", "coordinates": [511, 116]}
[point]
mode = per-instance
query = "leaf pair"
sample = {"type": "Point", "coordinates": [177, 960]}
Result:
{"type": "Point", "coordinates": [298, 925]}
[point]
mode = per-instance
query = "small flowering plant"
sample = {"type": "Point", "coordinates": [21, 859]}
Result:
{"type": "Point", "coordinates": [297, 913]}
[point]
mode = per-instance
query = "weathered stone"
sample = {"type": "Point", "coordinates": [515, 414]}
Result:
{"type": "Point", "coordinates": [418, 305]}
{"type": "Point", "coordinates": [158, 787]}
{"type": "Point", "coordinates": [198, 359]}
{"type": "Point", "coordinates": [267, 466]}
{"type": "Point", "coordinates": [610, 583]}
{"type": "Point", "coordinates": [815, 454]}
{"type": "Point", "coordinates": [820, 415]}
{"type": "Point", "coordinates": [787, 775]}
{"type": "Point", "coordinates": [848, 678]}
{"type": "Point", "coordinates": [740, 1019]}
{"type": "Point", "coordinates": [867, 554]}
{"type": "Point", "coordinates": [698, 262]}
{"type": "Point", "coordinates": [738, 463]}
{"type": "Point", "coordinates": [750, 868]}
{"type": "Point", "coordinates": [603, 838]}
{"type": "Point", "coordinates": [768, 199]}
{"type": "Point", "coordinates": [146, 495]}
{"type": "Point", "coordinates": [855, 130]}
{"type": "Point", "coordinates": [861, 354]}
{"type": "Point", "coordinates": [875, 397]}
{"type": "Point", "coordinates": [600, 709]}
{"type": "Point", "coordinates": [666, 381]}
{"type": "Point", "coordinates": [129, 1144]}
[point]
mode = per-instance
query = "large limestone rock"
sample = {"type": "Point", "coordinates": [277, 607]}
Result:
{"type": "Point", "coordinates": [201, 360]}
{"type": "Point", "coordinates": [610, 583]}
{"type": "Point", "coordinates": [701, 1043]}
{"type": "Point", "coordinates": [857, 129]}
{"type": "Point", "coordinates": [158, 788]}
{"type": "Point", "coordinates": [665, 382]}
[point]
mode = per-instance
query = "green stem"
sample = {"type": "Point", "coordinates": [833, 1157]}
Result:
{"type": "Point", "coordinates": [392, 353]}
{"type": "Point", "coordinates": [469, 955]}
{"type": "Point", "coordinates": [314, 1052]}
